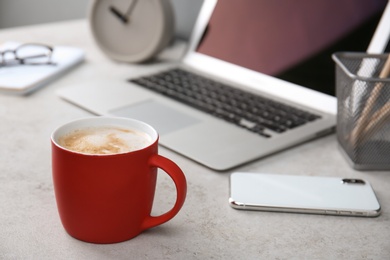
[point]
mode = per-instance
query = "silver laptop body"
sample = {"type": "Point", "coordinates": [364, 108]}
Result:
{"type": "Point", "coordinates": [199, 136]}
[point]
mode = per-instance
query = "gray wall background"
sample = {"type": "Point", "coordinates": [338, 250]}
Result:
{"type": "Point", "coordinates": [14, 13]}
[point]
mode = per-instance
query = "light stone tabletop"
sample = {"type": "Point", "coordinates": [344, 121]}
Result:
{"type": "Point", "coordinates": [206, 227]}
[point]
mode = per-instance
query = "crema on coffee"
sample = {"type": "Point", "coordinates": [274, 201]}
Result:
{"type": "Point", "coordinates": [105, 140]}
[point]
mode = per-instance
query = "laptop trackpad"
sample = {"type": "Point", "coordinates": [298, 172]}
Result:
{"type": "Point", "coordinates": [164, 118]}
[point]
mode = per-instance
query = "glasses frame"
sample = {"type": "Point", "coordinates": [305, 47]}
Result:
{"type": "Point", "coordinates": [22, 60]}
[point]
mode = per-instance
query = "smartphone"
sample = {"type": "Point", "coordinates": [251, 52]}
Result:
{"type": "Point", "coordinates": [303, 194]}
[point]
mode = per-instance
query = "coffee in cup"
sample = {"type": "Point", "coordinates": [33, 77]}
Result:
{"type": "Point", "coordinates": [105, 140]}
{"type": "Point", "coordinates": [105, 174]}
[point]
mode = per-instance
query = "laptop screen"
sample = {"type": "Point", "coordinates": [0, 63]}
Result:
{"type": "Point", "coordinates": [291, 40]}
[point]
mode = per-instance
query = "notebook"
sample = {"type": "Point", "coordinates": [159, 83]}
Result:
{"type": "Point", "coordinates": [24, 79]}
{"type": "Point", "coordinates": [227, 60]}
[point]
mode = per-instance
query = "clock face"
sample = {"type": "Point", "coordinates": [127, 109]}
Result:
{"type": "Point", "coordinates": [131, 30]}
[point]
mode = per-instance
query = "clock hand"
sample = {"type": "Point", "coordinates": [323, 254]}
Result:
{"type": "Point", "coordinates": [118, 14]}
{"type": "Point", "coordinates": [123, 17]}
{"type": "Point", "coordinates": [131, 7]}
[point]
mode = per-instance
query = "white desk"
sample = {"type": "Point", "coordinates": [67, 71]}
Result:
{"type": "Point", "coordinates": [206, 228]}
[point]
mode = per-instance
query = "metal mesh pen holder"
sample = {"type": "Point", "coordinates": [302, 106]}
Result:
{"type": "Point", "coordinates": [363, 110]}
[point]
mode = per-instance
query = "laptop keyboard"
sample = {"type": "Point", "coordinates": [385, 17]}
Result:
{"type": "Point", "coordinates": [247, 110]}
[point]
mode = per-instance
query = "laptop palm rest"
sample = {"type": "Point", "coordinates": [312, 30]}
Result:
{"type": "Point", "coordinates": [163, 118]}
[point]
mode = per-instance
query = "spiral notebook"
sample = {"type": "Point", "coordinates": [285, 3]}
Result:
{"type": "Point", "coordinates": [24, 79]}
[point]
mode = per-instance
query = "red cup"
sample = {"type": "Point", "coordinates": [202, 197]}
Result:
{"type": "Point", "coordinates": [108, 198]}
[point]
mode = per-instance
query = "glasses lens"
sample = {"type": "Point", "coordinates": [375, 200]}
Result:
{"type": "Point", "coordinates": [34, 54]}
{"type": "Point", "coordinates": [7, 56]}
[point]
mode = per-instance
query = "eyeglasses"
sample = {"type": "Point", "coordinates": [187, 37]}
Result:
{"type": "Point", "coordinates": [27, 54]}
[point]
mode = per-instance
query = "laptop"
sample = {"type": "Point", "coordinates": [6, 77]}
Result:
{"type": "Point", "coordinates": [226, 52]}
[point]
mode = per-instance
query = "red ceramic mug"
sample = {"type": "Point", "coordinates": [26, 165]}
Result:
{"type": "Point", "coordinates": [108, 198]}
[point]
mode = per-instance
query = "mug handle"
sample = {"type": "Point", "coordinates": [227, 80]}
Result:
{"type": "Point", "coordinates": [179, 179]}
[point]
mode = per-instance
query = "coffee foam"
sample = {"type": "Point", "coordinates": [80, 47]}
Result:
{"type": "Point", "coordinates": [105, 140]}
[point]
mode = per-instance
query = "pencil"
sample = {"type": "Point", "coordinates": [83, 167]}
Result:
{"type": "Point", "coordinates": [357, 132]}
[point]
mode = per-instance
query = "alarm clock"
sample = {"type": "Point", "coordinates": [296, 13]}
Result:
{"type": "Point", "coordinates": [131, 30]}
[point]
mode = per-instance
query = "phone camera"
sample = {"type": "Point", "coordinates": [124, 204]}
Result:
{"type": "Point", "coordinates": [353, 181]}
